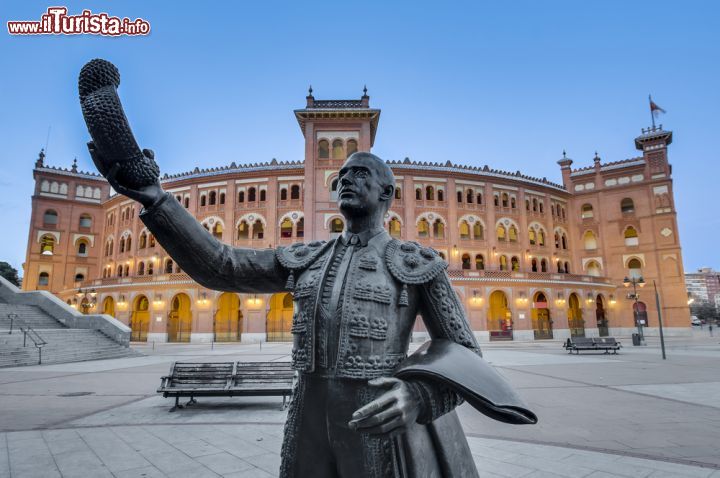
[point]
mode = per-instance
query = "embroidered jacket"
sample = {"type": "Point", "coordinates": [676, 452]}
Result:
{"type": "Point", "coordinates": [388, 284]}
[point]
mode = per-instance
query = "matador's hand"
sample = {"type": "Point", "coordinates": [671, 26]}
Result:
{"type": "Point", "coordinates": [392, 411]}
{"type": "Point", "coordinates": [147, 195]}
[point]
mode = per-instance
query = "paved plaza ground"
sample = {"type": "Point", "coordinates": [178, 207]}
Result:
{"type": "Point", "coordinates": [630, 415]}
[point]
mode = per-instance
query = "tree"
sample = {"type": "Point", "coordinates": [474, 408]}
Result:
{"type": "Point", "coordinates": [704, 310]}
{"type": "Point", "coordinates": [9, 273]}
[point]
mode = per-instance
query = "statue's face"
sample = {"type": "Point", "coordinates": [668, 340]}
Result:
{"type": "Point", "coordinates": [360, 186]}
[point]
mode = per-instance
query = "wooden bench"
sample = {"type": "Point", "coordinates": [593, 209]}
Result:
{"type": "Point", "coordinates": [227, 379]}
{"type": "Point", "coordinates": [576, 344]}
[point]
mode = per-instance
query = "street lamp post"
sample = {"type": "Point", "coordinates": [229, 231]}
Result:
{"type": "Point", "coordinates": [86, 299]}
{"type": "Point", "coordinates": [636, 281]}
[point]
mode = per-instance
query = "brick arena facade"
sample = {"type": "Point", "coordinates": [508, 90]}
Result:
{"type": "Point", "coordinates": [530, 259]}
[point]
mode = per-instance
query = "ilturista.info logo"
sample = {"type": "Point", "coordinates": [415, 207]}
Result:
{"type": "Point", "coordinates": [56, 21]}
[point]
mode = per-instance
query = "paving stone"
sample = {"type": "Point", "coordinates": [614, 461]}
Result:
{"type": "Point", "coordinates": [144, 472]}
{"type": "Point", "coordinates": [269, 462]}
{"type": "Point", "coordinates": [253, 473]}
{"type": "Point", "coordinates": [81, 464]}
{"type": "Point", "coordinates": [224, 463]}
{"type": "Point", "coordinates": [114, 452]}
{"type": "Point", "coordinates": [488, 465]}
{"type": "Point", "coordinates": [196, 448]}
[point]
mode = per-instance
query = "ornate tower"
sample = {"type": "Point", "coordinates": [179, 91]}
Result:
{"type": "Point", "coordinates": [333, 130]}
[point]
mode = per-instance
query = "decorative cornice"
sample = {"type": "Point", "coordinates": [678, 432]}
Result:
{"type": "Point", "coordinates": [67, 172]}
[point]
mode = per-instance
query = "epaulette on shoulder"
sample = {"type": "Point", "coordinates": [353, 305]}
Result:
{"type": "Point", "coordinates": [299, 256]}
{"type": "Point", "coordinates": [411, 263]}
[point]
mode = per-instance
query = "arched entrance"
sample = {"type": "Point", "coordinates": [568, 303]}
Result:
{"type": "Point", "coordinates": [499, 317]}
{"type": "Point", "coordinates": [575, 318]}
{"type": "Point", "coordinates": [540, 314]}
{"type": "Point", "coordinates": [180, 319]}
{"type": "Point", "coordinates": [601, 316]}
{"type": "Point", "coordinates": [109, 306]}
{"type": "Point", "coordinates": [140, 319]}
{"type": "Point", "coordinates": [227, 325]}
{"type": "Point", "coordinates": [279, 318]}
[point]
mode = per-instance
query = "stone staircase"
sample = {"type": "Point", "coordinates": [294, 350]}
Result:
{"type": "Point", "coordinates": [63, 344]}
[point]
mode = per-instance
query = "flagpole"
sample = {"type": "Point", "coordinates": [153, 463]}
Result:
{"type": "Point", "coordinates": [652, 113]}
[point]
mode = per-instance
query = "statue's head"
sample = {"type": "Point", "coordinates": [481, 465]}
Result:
{"type": "Point", "coordinates": [366, 184]}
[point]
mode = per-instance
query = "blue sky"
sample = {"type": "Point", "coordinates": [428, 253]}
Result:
{"type": "Point", "coordinates": [508, 84]}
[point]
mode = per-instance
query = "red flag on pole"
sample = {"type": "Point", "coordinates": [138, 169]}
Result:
{"type": "Point", "coordinates": [655, 109]}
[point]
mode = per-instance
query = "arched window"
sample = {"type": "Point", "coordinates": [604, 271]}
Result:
{"type": "Point", "coordinates": [635, 268]}
{"type": "Point", "coordinates": [505, 200]}
{"type": "Point", "coordinates": [513, 205]}
{"type": "Point", "coordinates": [141, 269]}
{"type": "Point", "coordinates": [459, 197]}
{"type": "Point", "coordinates": [222, 198]}
{"type": "Point", "coordinates": [47, 245]}
{"type": "Point", "coordinates": [286, 228]}
{"type": "Point", "coordinates": [251, 195]}
{"type": "Point", "coordinates": [394, 228]}
{"type": "Point", "coordinates": [243, 230]}
{"type": "Point", "coordinates": [513, 234]}
{"type": "Point", "coordinates": [631, 236]}
{"type": "Point", "coordinates": [534, 265]}
{"type": "Point", "coordinates": [241, 196]}
{"type": "Point", "coordinates": [336, 226]}
{"type": "Point", "coordinates": [429, 193]}
{"type": "Point", "coordinates": [466, 261]}
{"type": "Point", "coordinates": [142, 243]}
{"type": "Point", "coordinates": [50, 218]}
{"type": "Point", "coordinates": [438, 229]}
{"type": "Point", "coordinates": [501, 232]}
{"type": "Point", "coordinates": [540, 206]}
{"type": "Point", "coordinates": [294, 191]}
{"type": "Point", "coordinates": [587, 211]}
{"type": "Point", "coordinates": [168, 266]}
{"type": "Point", "coordinates": [478, 232]}
{"type": "Point", "coordinates": [531, 236]}
{"type": "Point", "coordinates": [589, 240]}
{"type": "Point", "coordinates": [85, 221]}
{"type": "Point", "coordinates": [128, 243]}
{"type": "Point", "coordinates": [120, 270]}
{"type": "Point", "coordinates": [418, 194]}
{"type": "Point", "coordinates": [122, 245]}
{"type": "Point", "coordinates": [469, 196]}
{"type": "Point", "coordinates": [82, 248]}
{"type": "Point", "coordinates": [351, 147]}
{"type": "Point", "coordinates": [283, 194]}
{"type": "Point", "coordinates": [479, 262]}
{"type": "Point", "coordinates": [333, 189]}
{"type": "Point", "coordinates": [150, 267]}
{"type": "Point", "coordinates": [567, 267]}
{"type": "Point", "coordinates": [564, 241]}
{"type": "Point", "coordinates": [300, 228]}
{"type": "Point", "coordinates": [323, 149]}
{"type": "Point", "coordinates": [552, 210]}
{"type": "Point", "coordinates": [464, 230]}
{"type": "Point", "coordinates": [258, 230]}
{"type": "Point", "coordinates": [217, 231]}
{"type": "Point", "coordinates": [263, 195]}
{"type": "Point", "coordinates": [627, 206]}
{"type": "Point", "coordinates": [527, 204]}
{"type": "Point", "coordinates": [541, 237]}
{"type": "Point", "coordinates": [186, 202]}
{"type": "Point", "coordinates": [203, 200]}
{"type": "Point", "coordinates": [212, 198]}
{"type": "Point", "coordinates": [557, 241]}
{"type": "Point", "coordinates": [423, 228]}
{"type": "Point", "coordinates": [151, 241]}
{"type": "Point", "coordinates": [503, 263]}
{"type": "Point", "coordinates": [440, 195]}
{"type": "Point", "coordinates": [593, 269]}
{"type": "Point", "coordinates": [535, 205]}
{"type": "Point", "coordinates": [543, 265]}
{"type": "Point", "coordinates": [398, 193]}
{"type": "Point", "coordinates": [479, 198]}
{"type": "Point", "coordinates": [496, 200]}
{"type": "Point", "coordinates": [559, 267]}
{"type": "Point", "coordinates": [515, 263]}
{"type": "Point", "coordinates": [43, 279]}
{"type": "Point", "coordinates": [337, 149]}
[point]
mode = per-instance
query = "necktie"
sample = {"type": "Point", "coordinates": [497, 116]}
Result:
{"type": "Point", "coordinates": [341, 273]}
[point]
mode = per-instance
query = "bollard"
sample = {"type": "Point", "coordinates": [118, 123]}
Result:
{"type": "Point", "coordinates": [153, 345]}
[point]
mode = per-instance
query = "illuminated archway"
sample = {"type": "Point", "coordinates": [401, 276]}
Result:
{"type": "Point", "coordinates": [499, 317]}
{"type": "Point", "coordinates": [179, 322]}
{"type": "Point", "coordinates": [279, 318]}
{"type": "Point", "coordinates": [575, 317]}
{"type": "Point", "coordinates": [109, 306]}
{"type": "Point", "coordinates": [140, 319]}
{"type": "Point", "coordinates": [540, 314]}
{"type": "Point", "coordinates": [601, 316]}
{"type": "Point", "coordinates": [227, 325]}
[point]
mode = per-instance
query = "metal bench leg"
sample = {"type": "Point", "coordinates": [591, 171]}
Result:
{"type": "Point", "coordinates": [192, 401]}
{"type": "Point", "coordinates": [177, 404]}
{"type": "Point", "coordinates": [284, 405]}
